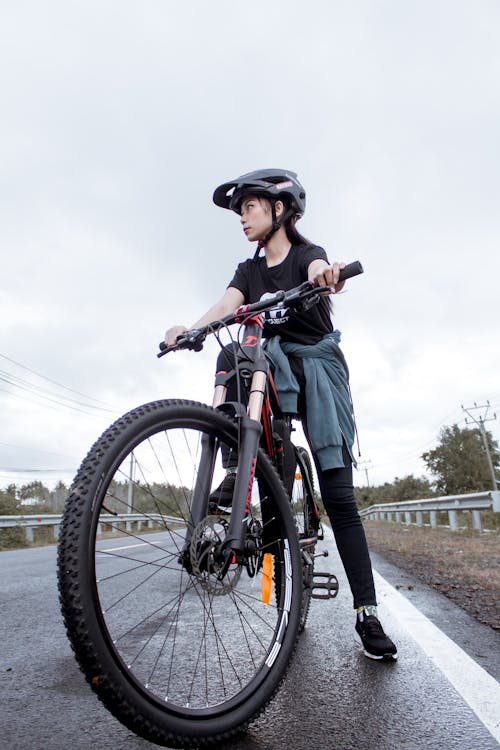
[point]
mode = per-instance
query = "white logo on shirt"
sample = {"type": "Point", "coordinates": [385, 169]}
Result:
{"type": "Point", "coordinates": [277, 315]}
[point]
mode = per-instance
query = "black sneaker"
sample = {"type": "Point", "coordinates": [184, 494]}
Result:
{"type": "Point", "coordinates": [221, 499]}
{"type": "Point", "coordinates": [376, 644]}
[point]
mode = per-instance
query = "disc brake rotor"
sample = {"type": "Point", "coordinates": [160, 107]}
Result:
{"type": "Point", "coordinates": [206, 564]}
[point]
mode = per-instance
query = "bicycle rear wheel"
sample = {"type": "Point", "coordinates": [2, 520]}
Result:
{"type": "Point", "coordinates": [180, 650]}
{"type": "Point", "coordinates": [307, 519]}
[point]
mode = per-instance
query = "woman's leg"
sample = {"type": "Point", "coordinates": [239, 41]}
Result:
{"type": "Point", "coordinates": [221, 498]}
{"type": "Point", "coordinates": [225, 363]}
{"type": "Point", "coordinates": [337, 492]}
{"type": "Point", "coordinates": [338, 497]}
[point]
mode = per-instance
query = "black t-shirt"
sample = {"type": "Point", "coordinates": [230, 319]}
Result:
{"type": "Point", "coordinates": [256, 281]}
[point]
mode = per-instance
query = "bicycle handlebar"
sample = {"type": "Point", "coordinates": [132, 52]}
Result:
{"type": "Point", "coordinates": [307, 292]}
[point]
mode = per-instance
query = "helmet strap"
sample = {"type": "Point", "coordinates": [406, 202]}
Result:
{"type": "Point", "coordinates": [276, 224]}
{"type": "Point", "coordinates": [260, 245]}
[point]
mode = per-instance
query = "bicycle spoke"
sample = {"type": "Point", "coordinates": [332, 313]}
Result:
{"type": "Point", "coordinates": [187, 631]}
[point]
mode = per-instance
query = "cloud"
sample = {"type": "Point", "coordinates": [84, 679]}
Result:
{"type": "Point", "coordinates": [117, 126]}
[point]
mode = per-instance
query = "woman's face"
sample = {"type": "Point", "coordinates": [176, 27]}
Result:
{"type": "Point", "coordinates": [256, 217]}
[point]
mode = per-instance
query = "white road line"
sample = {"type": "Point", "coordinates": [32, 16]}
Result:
{"type": "Point", "coordinates": [127, 546]}
{"type": "Point", "coordinates": [478, 688]}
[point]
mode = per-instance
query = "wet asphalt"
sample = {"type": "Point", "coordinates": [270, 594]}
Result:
{"type": "Point", "coordinates": [333, 697]}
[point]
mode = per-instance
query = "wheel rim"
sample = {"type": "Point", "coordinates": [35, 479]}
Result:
{"type": "Point", "coordinates": [302, 504]}
{"type": "Point", "coordinates": [183, 644]}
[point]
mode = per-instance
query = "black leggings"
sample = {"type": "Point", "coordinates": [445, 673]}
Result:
{"type": "Point", "coordinates": [337, 492]}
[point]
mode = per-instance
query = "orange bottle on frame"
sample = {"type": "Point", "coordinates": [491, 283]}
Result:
{"type": "Point", "coordinates": [267, 577]}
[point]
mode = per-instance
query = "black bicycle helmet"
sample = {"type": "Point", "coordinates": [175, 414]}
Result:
{"type": "Point", "coordinates": [273, 184]}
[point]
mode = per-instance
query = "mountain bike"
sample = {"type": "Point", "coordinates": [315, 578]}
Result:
{"type": "Point", "coordinates": [184, 614]}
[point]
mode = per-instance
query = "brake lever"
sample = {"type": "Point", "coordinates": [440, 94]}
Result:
{"type": "Point", "coordinates": [192, 340]}
{"type": "Point", "coordinates": [306, 296]}
{"type": "Point", "coordinates": [309, 302]}
{"type": "Point", "coordinates": [195, 344]}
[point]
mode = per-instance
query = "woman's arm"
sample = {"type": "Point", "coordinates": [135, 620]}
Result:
{"type": "Point", "coordinates": [232, 299]}
{"type": "Point", "coordinates": [326, 275]}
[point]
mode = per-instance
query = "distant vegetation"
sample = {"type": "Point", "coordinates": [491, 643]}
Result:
{"type": "Point", "coordinates": [458, 464]}
{"type": "Point", "coordinates": [405, 488]}
{"type": "Point", "coordinates": [35, 497]}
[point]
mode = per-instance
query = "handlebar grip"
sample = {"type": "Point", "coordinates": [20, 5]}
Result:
{"type": "Point", "coordinates": [192, 339]}
{"type": "Point", "coordinates": [164, 349]}
{"type": "Point", "coordinates": [352, 269]}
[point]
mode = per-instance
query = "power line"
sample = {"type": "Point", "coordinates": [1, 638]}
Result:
{"type": "Point", "coordinates": [416, 453]}
{"type": "Point", "coordinates": [42, 403]}
{"type": "Point", "coordinates": [42, 393]}
{"type": "Point", "coordinates": [18, 478]}
{"type": "Point", "coordinates": [37, 450]}
{"type": "Point", "coordinates": [17, 470]}
{"type": "Point", "coordinates": [15, 380]}
{"type": "Point", "coordinates": [54, 382]}
{"type": "Point", "coordinates": [21, 382]}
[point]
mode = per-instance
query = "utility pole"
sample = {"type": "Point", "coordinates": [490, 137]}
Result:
{"type": "Point", "coordinates": [130, 490]}
{"type": "Point", "coordinates": [364, 465]}
{"type": "Point", "coordinates": [480, 423]}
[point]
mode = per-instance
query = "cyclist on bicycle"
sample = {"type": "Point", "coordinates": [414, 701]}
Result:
{"type": "Point", "coordinates": [307, 363]}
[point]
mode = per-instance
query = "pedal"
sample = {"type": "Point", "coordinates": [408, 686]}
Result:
{"type": "Point", "coordinates": [326, 584]}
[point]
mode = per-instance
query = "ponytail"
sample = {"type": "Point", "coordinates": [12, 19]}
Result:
{"type": "Point", "coordinates": [293, 235]}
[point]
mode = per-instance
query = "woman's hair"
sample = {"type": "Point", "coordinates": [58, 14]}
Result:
{"type": "Point", "coordinates": [293, 235]}
{"type": "Point", "coordinates": [290, 226]}
{"type": "Point", "coordinates": [298, 239]}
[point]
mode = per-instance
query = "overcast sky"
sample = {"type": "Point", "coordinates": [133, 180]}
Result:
{"type": "Point", "coordinates": [118, 119]}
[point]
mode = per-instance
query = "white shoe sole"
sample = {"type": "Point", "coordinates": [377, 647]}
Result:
{"type": "Point", "coordinates": [384, 657]}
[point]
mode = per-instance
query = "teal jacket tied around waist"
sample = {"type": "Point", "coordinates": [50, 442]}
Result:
{"type": "Point", "coordinates": [328, 399]}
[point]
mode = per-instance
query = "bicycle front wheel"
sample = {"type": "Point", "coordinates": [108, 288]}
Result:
{"type": "Point", "coordinates": [180, 648]}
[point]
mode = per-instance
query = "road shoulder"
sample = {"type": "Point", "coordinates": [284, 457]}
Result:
{"type": "Point", "coordinates": [479, 641]}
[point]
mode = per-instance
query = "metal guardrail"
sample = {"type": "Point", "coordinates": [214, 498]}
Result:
{"type": "Point", "coordinates": [139, 520]}
{"type": "Point", "coordinates": [403, 512]}
{"type": "Point", "coordinates": [400, 512]}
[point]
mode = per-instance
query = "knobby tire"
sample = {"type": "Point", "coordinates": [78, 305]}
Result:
{"type": "Point", "coordinates": [307, 521]}
{"type": "Point", "coordinates": [180, 653]}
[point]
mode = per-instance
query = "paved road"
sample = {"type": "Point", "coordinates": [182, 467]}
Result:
{"type": "Point", "coordinates": [333, 697]}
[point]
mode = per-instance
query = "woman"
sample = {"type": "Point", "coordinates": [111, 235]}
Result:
{"type": "Point", "coordinates": [303, 349]}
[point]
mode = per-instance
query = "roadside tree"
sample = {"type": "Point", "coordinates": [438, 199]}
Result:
{"type": "Point", "coordinates": [459, 461]}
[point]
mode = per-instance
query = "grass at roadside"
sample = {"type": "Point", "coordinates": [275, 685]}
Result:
{"type": "Point", "coordinates": [465, 566]}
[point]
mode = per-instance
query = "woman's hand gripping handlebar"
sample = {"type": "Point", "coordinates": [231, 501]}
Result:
{"type": "Point", "coordinates": [300, 298]}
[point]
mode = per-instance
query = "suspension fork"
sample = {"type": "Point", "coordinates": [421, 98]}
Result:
{"type": "Point", "coordinates": [201, 491]}
{"type": "Point", "coordinates": [208, 456]}
{"type": "Point", "coordinates": [199, 505]}
{"type": "Point", "coordinates": [250, 429]}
